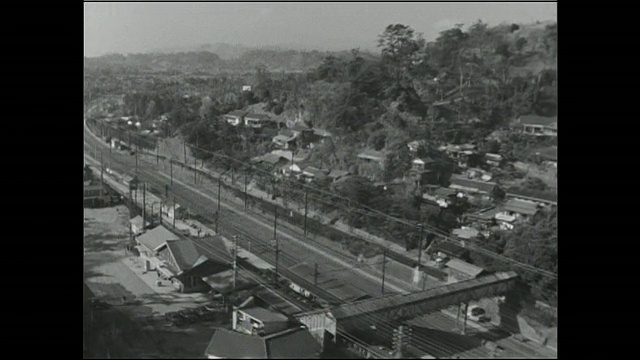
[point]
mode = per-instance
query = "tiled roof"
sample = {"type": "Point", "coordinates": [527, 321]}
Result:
{"type": "Point", "coordinates": [236, 113]}
{"type": "Point", "coordinates": [184, 252]}
{"type": "Point", "coordinates": [372, 155]}
{"type": "Point", "coordinates": [521, 207]}
{"type": "Point", "coordinates": [464, 267]}
{"type": "Point", "coordinates": [296, 343]}
{"type": "Point", "coordinates": [156, 237]}
{"type": "Point", "coordinates": [264, 315]}
{"type": "Point", "coordinates": [538, 120]}
{"type": "Point", "coordinates": [481, 186]}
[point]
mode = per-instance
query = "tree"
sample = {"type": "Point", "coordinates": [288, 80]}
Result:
{"type": "Point", "coordinates": [399, 49]}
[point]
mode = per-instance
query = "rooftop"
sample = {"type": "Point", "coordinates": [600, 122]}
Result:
{"type": "Point", "coordinates": [184, 252]}
{"type": "Point", "coordinates": [465, 233]}
{"type": "Point", "coordinates": [296, 343]}
{"type": "Point", "coordinates": [236, 113]}
{"type": "Point", "coordinates": [372, 155]}
{"type": "Point", "coordinates": [254, 116]}
{"type": "Point", "coordinates": [464, 267]}
{"type": "Point", "coordinates": [264, 315]}
{"type": "Point", "coordinates": [481, 186]}
{"type": "Point", "coordinates": [156, 237]}
{"type": "Point", "coordinates": [537, 120]}
{"type": "Point", "coordinates": [521, 206]}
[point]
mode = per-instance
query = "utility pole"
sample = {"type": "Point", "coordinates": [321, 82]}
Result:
{"type": "Point", "coordinates": [101, 174]}
{"type": "Point", "coordinates": [420, 244]}
{"type": "Point", "coordinates": [277, 255]}
{"type": "Point", "coordinates": [384, 267]}
{"type": "Point", "coordinates": [157, 154]}
{"type": "Point", "coordinates": [315, 275]}
{"type": "Point", "coordinates": [184, 145]}
{"type": "Point", "coordinates": [235, 260]}
{"type": "Point", "coordinates": [306, 203]}
{"type": "Point", "coordinates": [275, 220]}
{"type": "Point", "coordinates": [217, 216]}
{"type": "Point", "coordinates": [171, 166]}
{"type": "Point", "coordinates": [136, 162]}
{"type": "Point", "coordinates": [219, 187]}
{"type": "Point", "coordinates": [246, 179]}
{"type": "Point", "coordinates": [195, 170]}
{"type": "Point", "coordinates": [233, 177]}
{"type": "Point", "coordinates": [464, 322]}
{"type": "Point", "coordinates": [174, 212]}
{"type": "Point", "coordinates": [144, 204]}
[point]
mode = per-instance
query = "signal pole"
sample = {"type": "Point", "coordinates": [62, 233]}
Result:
{"type": "Point", "coordinates": [384, 263]}
{"type": "Point", "coordinates": [235, 260]}
{"type": "Point", "coordinates": [306, 203]}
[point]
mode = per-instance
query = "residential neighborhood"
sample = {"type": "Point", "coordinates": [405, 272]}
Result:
{"type": "Point", "coordinates": [390, 200]}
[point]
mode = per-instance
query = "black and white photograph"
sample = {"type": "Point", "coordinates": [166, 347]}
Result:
{"type": "Point", "coordinates": [320, 180]}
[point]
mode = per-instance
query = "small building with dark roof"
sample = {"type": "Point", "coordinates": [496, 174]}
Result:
{"type": "Point", "coordinates": [471, 187]}
{"type": "Point", "coordinates": [235, 117]}
{"type": "Point", "coordinates": [461, 270]}
{"type": "Point", "coordinates": [539, 125]}
{"type": "Point", "coordinates": [292, 343]}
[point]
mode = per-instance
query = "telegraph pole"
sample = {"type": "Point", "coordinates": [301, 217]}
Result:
{"type": "Point", "coordinates": [420, 245]}
{"type": "Point", "coordinates": [464, 322]}
{"type": "Point", "coordinates": [246, 179]}
{"type": "Point", "coordinates": [275, 220]}
{"type": "Point", "coordinates": [184, 145]}
{"type": "Point", "coordinates": [174, 211]}
{"type": "Point", "coordinates": [195, 170]}
{"type": "Point", "coordinates": [171, 166]}
{"type": "Point", "coordinates": [101, 174]}
{"type": "Point", "coordinates": [136, 162]}
{"type": "Point", "coordinates": [219, 187]}
{"type": "Point", "coordinates": [315, 275]}
{"type": "Point", "coordinates": [217, 216]}
{"type": "Point", "coordinates": [306, 203]}
{"type": "Point", "coordinates": [157, 154]}
{"type": "Point", "coordinates": [277, 255]}
{"type": "Point", "coordinates": [144, 204]}
{"type": "Point", "coordinates": [384, 263]}
{"type": "Point", "coordinates": [235, 260]}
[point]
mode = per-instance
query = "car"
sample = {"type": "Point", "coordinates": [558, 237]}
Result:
{"type": "Point", "coordinates": [476, 313]}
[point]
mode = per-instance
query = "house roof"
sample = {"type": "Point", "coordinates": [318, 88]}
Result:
{"type": "Point", "coordinates": [550, 153]}
{"type": "Point", "coordinates": [321, 133]}
{"type": "Point", "coordinates": [484, 214]}
{"type": "Point", "coordinates": [137, 221]}
{"type": "Point", "coordinates": [533, 195]}
{"type": "Point", "coordinates": [218, 246]}
{"type": "Point", "coordinates": [465, 233]}
{"type": "Point", "coordinates": [265, 315]}
{"type": "Point", "coordinates": [521, 207]}
{"type": "Point", "coordinates": [299, 126]}
{"type": "Point", "coordinates": [287, 132]}
{"type": "Point", "coordinates": [184, 252]}
{"type": "Point", "coordinates": [538, 120]}
{"type": "Point", "coordinates": [284, 154]}
{"type": "Point", "coordinates": [372, 155]}
{"type": "Point", "coordinates": [496, 157]}
{"type": "Point", "coordinates": [282, 138]}
{"type": "Point", "coordinates": [295, 343]}
{"type": "Point", "coordinates": [480, 186]}
{"type": "Point", "coordinates": [444, 192]}
{"type": "Point", "coordinates": [236, 113]}
{"type": "Point", "coordinates": [315, 171]}
{"type": "Point", "coordinates": [425, 160]}
{"type": "Point", "coordinates": [271, 158]}
{"type": "Point", "coordinates": [204, 267]}
{"type": "Point", "coordinates": [335, 173]}
{"type": "Point", "coordinates": [450, 249]}
{"type": "Point", "coordinates": [156, 237]}
{"type": "Point", "coordinates": [254, 116]}
{"type": "Point", "coordinates": [464, 267]}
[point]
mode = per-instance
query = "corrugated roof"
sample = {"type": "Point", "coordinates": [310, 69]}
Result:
{"type": "Point", "coordinates": [295, 343]}
{"type": "Point", "coordinates": [464, 267]}
{"type": "Point", "coordinates": [465, 233]}
{"type": "Point", "coordinates": [538, 120]}
{"type": "Point", "coordinates": [184, 252]}
{"type": "Point", "coordinates": [338, 173]}
{"type": "Point", "coordinates": [521, 207]}
{"type": "Point", "coordinates": [264, 315]}
{"type": "Point", "coordinates": [228, 344]}
{"type": "Point", "coordinates": [372, 155]}
{"type": "Point", "coordinates": [485, 214]}
{"type": "Point", "coordinates": [444, 192]}
{"type": "Point", "coordinates": [236, 113]}
{"type": "Point", "coordinates": [275, 301]}
{"type": "Point", "coordinates": [480, 186]}
{"type": "Point", "coordinates": [254, 116]}
{"type": "Point", "coordinates": [156, 237]}
{"type": "Point", "coordinates": [389, 302]}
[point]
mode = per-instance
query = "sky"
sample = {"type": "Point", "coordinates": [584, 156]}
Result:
{"type": "Point", "coordinates": [135, 27]}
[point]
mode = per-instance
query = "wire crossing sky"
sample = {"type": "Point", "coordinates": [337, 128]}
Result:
{"type": "Point", "coordinates": [135, 27]}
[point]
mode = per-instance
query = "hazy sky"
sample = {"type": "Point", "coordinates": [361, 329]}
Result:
{"type": "Point", "coordinates": [130, 27]}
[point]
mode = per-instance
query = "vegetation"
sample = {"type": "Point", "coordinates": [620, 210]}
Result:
{"type": "Point", "coordinates": [460, 88]}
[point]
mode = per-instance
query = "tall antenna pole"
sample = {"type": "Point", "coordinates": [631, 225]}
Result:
{"type": "Point", "coordinates": [384, 263]}
{"type": "Point", "coordinates": [235, 260]}
{"type": "Point", "coordinates": [306, 203]}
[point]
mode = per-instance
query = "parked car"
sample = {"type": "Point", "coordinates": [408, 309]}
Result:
{"type": "Point", "coordinates": [476, 313]}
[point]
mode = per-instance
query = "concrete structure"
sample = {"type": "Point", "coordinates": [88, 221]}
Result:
{"type": "Point", "coordinates": [539, 125]}
{"type": "Point", "coordinates": [235, 117]}
{"type": "Point", "coordinates": [460, 270]}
